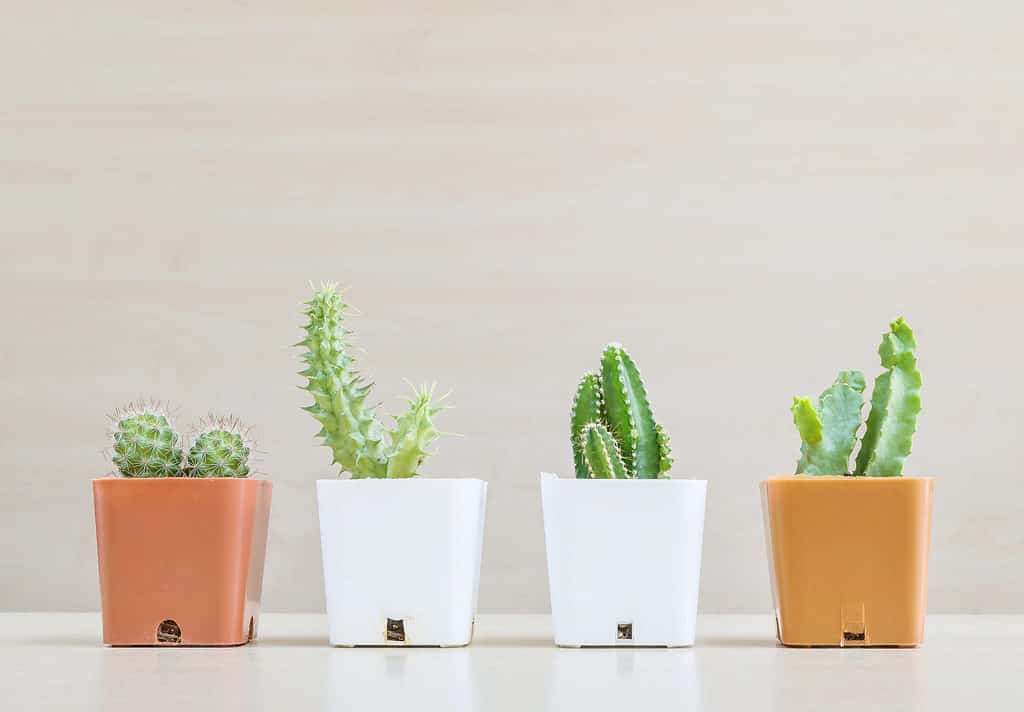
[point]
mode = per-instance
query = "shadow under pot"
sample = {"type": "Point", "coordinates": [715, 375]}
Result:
{"type": "Point", "coordinates": [623, 560]}
{"type": "Point", "coordinates": [401, 559]}
{"type": "Point", "coordinates": [181, 559]}
{"type": "Point", "coordinates": [848, 558]}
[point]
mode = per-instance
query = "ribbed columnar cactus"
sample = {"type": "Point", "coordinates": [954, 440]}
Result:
{"type": "Point", "coordinates": [145, 444]}
{"type": "Point", "coordinates": [349, 426]}
{"type": "Point", "coordinates": [220, 450]}
{"type": "Point", "coordinates": [612, 428]}
{"type": "Point", "coordinates": [828, 429]}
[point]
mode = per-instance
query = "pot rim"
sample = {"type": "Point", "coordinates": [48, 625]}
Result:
{"type": "Point", "coordinates": [119, 478]}
{"type": "Point", "coordinates": [417, 478]}
{"type": "Point", "coordinates": [844, 478]}
{"type": "Point", "coordinates": [550, 476]}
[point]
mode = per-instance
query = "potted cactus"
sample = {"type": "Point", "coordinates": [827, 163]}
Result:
{"type": "Point", "coordinates": [181, 533]}
{"type": "Point", "coordinates": [848, 546]}
{"type": "Point", "coordinates": [401, 553]}
{"type": "Point", "coordinates": [623, 540]}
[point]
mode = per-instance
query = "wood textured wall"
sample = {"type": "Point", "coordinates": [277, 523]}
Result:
{"type": "Point", "coordinates": [742, 193]}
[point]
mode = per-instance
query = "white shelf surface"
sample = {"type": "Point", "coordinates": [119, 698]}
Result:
{"type": "Point", "coordinates": [54, 661]}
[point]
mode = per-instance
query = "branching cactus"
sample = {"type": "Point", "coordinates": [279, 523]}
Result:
{"type": "Point", "coordinates": [221, 449]}
{"type": "Point", "coordinates": [349, 425]}
{"type": "Point", "coordinates": [828, 428]}
{"type": "Point", "coordinates": [612, 429]}
{"type": "Point", "coordinates": [144, 443]}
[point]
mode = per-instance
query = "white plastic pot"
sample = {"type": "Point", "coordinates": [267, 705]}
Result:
{"type": "Point", "coordinates": [623, 560]}
{"type": "Point", "coordinates": [401, 559]}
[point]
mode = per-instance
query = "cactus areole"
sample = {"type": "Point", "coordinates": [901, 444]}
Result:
{"type": "Point", "coordinates": [348, 423]}
{"type": "Point", "coordinates": [612, 429]}
{"type": "Point", "coordinates": [828, 428]}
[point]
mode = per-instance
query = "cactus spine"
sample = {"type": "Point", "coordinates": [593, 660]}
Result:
{"type": "Point", "coordinates": [349, 426]}
{"type": "Point", "coordinates": [612, 427]}
{"type": "Point", "coordinates": [828, 429]}
{"type": "Point", "coordinates": [145, 444]}
{"type": "Point", "coordinates": [220, 450]}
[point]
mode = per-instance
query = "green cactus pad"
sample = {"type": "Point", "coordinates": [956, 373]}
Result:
{"type": "Point", "coordinates": [145, 445]}
{"type": "Point", "coordinates": [587, 408]}
{"type": "Point", "coordinates": [829, 431]}
{"type": "Point", "coordinates": [601, 453]}
{"type": "Point", "coordinates": [895, 405]}
{"type": "Point", "coordinates": [218, 453]}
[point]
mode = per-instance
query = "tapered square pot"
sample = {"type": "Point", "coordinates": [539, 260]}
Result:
{"type": "Point", "coordinates": [848, 558]}
{"type": "Point", "coordinates": [181, 559]}
{"type": "Point", "coordinates": [401, 559]}
{"type": "Point", "coordinates": [623, 560]}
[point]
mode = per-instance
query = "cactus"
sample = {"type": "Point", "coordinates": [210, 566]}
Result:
{"type": "Point", "coordinates": [828, 430]}
{"type": "Point", "coordinates": [895, 405]}
{"type": "Point", "coordinates": [601, 453]}
{"type": "Point", "coordinates": [612, 429]}
{"type": "Point", "coordinates": [145, 444]}
{"type": "Point", "coordinates": [221, 449]}
{"type": "Point", "coordinates": [349, 425]}
{"type": "Point", "coordinates": [413, 432]}
{"type": "Point", "coordinates": [587, 408]}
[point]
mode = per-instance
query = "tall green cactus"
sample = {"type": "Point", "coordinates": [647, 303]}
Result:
{"type": "Point", "coordinates": [828, 429]}
{"type": "Point", "coordinates": [612, 429]}
{"type": "Point", "coordinates": [349, 426]}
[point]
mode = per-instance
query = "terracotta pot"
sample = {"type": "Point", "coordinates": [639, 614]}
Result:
{"type": "Point", "coordinates": [181, 559]}
{"type": "Point", "coordinates": [848, 558]}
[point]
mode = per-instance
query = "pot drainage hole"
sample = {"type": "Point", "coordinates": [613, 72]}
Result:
{"type": "Point", "coordinates": [168, 632]}
{"type": "Point", "coordinates": [395, 630]}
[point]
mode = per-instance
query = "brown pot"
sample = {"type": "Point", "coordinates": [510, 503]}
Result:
{"type": "Point", "coordinates": [181, 559]}
{"type": "Point", "coordinates": [848, 558]}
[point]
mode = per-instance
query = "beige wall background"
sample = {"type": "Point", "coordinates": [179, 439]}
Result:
{"type": "Point", "coordinates": [742, 193]}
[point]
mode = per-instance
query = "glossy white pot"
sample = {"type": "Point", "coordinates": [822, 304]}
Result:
{"type": "Point", "coordinates": [623, 560]}
{"type": "Point", "coordinates": [401, 559]}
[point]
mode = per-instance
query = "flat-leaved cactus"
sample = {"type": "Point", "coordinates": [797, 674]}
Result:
{"type": "Point", "coordinates": [828, 427]}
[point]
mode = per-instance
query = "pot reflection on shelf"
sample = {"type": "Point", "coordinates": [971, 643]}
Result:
{"type": "Point", "coordinates": [401, 678]}
{"type": "Point", "coordinates": [623, 679]}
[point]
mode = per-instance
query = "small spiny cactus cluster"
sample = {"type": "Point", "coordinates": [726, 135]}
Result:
{"type": "Point", "coordinates": [828, 428]}
{"type": "Point", "coordinates": [145, 444]}
{"type": "Point", "coordinates": [613, 431]}
{"type": "Point", "coordinates": [361, 445]}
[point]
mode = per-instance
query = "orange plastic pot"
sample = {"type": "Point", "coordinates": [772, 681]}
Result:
{"type": "Point", "coordinates": [848, 558]}
{"type": "Point", "coordinates": [181, 559]}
